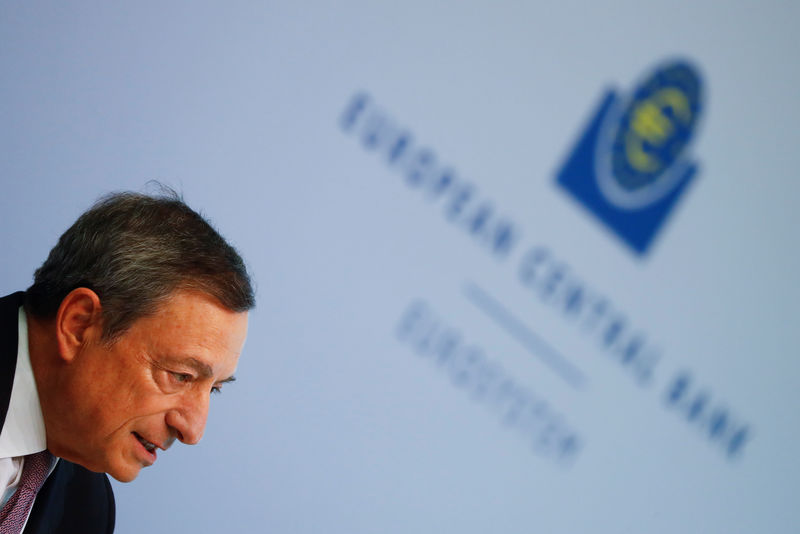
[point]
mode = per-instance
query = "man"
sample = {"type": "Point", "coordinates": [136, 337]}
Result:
{"type": "Point", "coordinates": [136, 317]}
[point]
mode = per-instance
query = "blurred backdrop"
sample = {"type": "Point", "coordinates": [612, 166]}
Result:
{"type": "Point", "coordinates": [521, 267]}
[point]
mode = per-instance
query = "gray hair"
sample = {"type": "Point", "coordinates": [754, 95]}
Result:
{"type": "Point", "coordinates": [134, 251]}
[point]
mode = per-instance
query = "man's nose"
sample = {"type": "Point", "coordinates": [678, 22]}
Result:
{"type": "Point", "coordinates": [188, 421]}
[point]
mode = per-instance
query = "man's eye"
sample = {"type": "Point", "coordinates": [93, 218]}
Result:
{"type": "Point", "coordinates": [216, 389]}
{"type": "Point", "coordinates": [181, 377]}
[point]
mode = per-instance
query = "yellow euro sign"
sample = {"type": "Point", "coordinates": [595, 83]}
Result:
{"type": "Point", "coordinates": [650, 124]}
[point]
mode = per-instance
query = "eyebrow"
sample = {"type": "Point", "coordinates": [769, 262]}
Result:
{"type": "Point", "coordinates": [205, 370]}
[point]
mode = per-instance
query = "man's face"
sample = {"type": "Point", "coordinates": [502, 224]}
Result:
{"type": "Point", "coordinates": [130, 399]}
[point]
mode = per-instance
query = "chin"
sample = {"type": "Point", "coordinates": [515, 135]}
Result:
{"type": "Point", "coordinates": [123, 474]}
{"type": "Point", "coordinates": [122, 468]}
{"type": "Point", "coordinates": [121, 471]}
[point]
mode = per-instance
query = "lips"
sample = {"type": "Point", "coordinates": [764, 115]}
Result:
{"type": "Point", "coordinates": [149, 448]}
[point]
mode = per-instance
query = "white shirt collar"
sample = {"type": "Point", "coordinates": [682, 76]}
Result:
{"type": "Point", "coordinates": [23, 432]}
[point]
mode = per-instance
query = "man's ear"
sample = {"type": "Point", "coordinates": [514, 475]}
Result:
{"type": "Point", "coordinates": [78, 320]}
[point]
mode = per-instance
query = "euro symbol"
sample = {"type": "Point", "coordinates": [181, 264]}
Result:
{"type": "Point", "coordinates": [652, 125]}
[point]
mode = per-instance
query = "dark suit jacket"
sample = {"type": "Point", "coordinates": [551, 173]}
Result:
{"type": "Point", "coordinates": [73, 499]}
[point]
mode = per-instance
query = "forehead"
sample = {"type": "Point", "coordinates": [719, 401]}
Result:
{"type": "Point", "coordinates": [193, 325]}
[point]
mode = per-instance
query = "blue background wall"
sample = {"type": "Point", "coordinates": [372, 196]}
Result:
{"type": "Point", "coordinates": [336, 423]}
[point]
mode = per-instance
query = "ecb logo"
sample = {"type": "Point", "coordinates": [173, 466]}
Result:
{"type": "Point", "coordinates": [632, 164]}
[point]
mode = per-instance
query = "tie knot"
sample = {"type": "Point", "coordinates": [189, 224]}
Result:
{"type": "Point", "coordinates": [35, 469]}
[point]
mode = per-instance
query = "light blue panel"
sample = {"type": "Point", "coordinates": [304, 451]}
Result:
{"type": "Point", "coordinates": [337, 423]}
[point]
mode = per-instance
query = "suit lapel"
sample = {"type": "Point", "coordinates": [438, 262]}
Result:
{"type": "Point", "coordinates": [9, 309]}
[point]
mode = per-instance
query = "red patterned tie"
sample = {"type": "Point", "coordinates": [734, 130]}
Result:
{"type": "Point", "coordinates": [34, 471]}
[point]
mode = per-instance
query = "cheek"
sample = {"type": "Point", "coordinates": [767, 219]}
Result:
{"type": "Point", "coordinates": [109, 401]}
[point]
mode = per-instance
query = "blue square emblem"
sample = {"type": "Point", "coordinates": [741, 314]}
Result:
{"type": "Point", "coordinates": [631, 165]}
